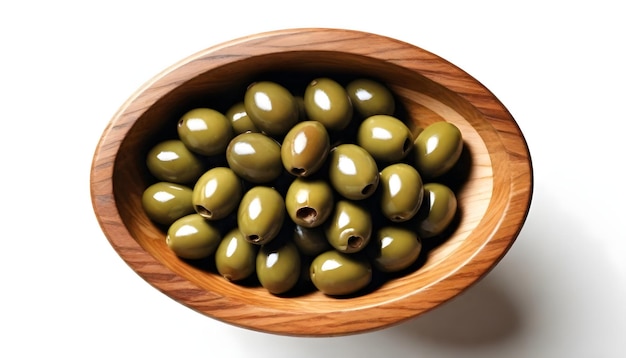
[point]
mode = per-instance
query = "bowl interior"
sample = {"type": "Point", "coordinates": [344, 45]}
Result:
{"type": "Point", "coordinates": [482, 181]}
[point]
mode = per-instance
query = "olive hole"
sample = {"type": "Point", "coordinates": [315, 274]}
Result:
{"type": "Point", "coordinates": [355, 242]}
{"type": "Point", "coordinates": [367, 190]}
{"type": "Point", "coordinates": [180, 122]}
{"type": "Point", "coordinates": [204, 211]}
{"type": "Point", "coordinates": [298, 171]}
{"type": "Point", "coordinates": [254, 238]}
{"type": "Point", "coordinates": [307, 214]}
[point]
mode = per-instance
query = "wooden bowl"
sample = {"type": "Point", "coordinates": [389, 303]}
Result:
{"type": "Point", "coordinates": [494, 190]}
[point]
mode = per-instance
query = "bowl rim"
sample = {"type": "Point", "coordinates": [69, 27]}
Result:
{"type": "Point", "coordinates": [414, 58]}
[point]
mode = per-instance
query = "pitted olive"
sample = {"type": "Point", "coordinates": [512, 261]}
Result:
{"type": "Point", "coordinates": [337, 274]}
{"type": "Point", "coordinates": [260, 214]}
{"type": "Point", "coordinates": [271, 107]}
{"type": "Point", "coordinates": [278, 266]}
{"type": "Point", "coordinates": [349, 229]}
{"type": "Point", "coordinates": [394, 248]}
{"type": "Point", "coordinates": [217, 193]}
{"type": "Point", "coordinates": [235, 257]}
{"type": "Point", "coordinates": [309, 202]}
{"type": "Point", "coordinates": [305, 148]}
{"type": "Point", "coordinates": [240, 120]}
{"type": "Point", "coordinates": [437, 211]}
{"type": "Point", "coordinates": [254, 157]}
{"type": "Point", "coordinates": [370, 97]}
{"type": "Point", "coordinates": [171, 161]}
{"type": "Point", "coordinates": [352, 171]}
{"type": "Point", "coordinates": [192, 237]}
{"type": "Point", "coordinates": [166, 202]}
{"type": "Point", "coordinates": [326, 101]}
{"type": "Point", "coordinates": [437, 148]}
{"type": "Point", "coordinates": [385, 137]}
{"type": "Point", "coordinates": [402, 192]}
{"type": "Point", "coordinates": [205, 131]}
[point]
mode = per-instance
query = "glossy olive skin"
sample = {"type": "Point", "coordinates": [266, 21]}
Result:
{"type": "Point", "coordinates": [401, 191]}
{"type": "Point", "coordinates": [166, 202]}
{"type": "Point", "coordinates": [309, 203]}
{"type": "Point", "coordinates": [171, 161]}
{"type": "Point", "coordinates": [326, 101]}
{"type": "Point", "coordinates": [217, 193]}
{"type": "Point", "coordinates": [370, 97]}
{"type": "Point", "coordinates": [240, 120]}
{"type": "Point", "coordinates": [437, 149]}
{"type": "Point", "coordinates": [271, 107]}
{"type": "Point", "coordinates": [192, 237]}
{"type": "Point", "coordinates": [337, 274]}
{"type": "Point", "coordinates": [278, 266]}
{"type": "Point", "coordinates": [437, 211]}
{"type": "Point", "coordinates": [394, 248]}
{"type": "Point", "coordinates": [349, 229]}
{"type": "Point", "coordinates": [310, 241]}
{"type": "Point", "coordinates": [385, 137]}
{"type": "Point", "coordinates": [205, 131]}
{"type": "Point", "coordinates": [235, 257]}
{"type": "Point", "coordinates": [254, 157]}
{"type": "Point", "coordinates": [305, 148]}
{"type": "Point", "coordinates": [352, 171]}
{"type": "Point", "coordinates": [261, 214]}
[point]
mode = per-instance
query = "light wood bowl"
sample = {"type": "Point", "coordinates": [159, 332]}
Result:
{"type": "Point", "coordinates": [494, 194]}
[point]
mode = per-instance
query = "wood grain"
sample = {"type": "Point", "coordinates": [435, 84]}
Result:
{"type": "Point", "coordinates": [494, 197]}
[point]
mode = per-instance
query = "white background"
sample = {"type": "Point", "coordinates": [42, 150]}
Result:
{"type": "Point", "coordinates": [67, 66]}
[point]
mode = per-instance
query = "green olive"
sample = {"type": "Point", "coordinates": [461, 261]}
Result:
{"type": "Point", "coordinates": [217, 193]}
{"type": "Point", "coordinates": [352, 171]}
{"type": "Point", "coordinates": [261, 214]}
{"type": "Point", "coordinates": [349, 229]}
{"type": "Point", "coordinates": [271, 107]}
{"type": "Point", "coordinates": [385, 137]}
{"type": "Point", "coordinates": [370, 97]}
{"type": "Point", "coordinates": [278, 266]}
{"type": "Point", "coordinates": [305, 148]}
{"type": "Point", "coordinates": [310, 241]}
{"type": "Point", "coordinates": [402, 192]}
{"type": "Point", "coordinates": [437, 211]}
{"type": "Point", "coordinates": [395, 248]}
{"type": "Point", "coordinates": [337, 274]}
{"type": "Point", "coordinates": [240, 120]}
{"type": "Point", "coordinates": [309, 202]}
{"type": "Point", "coordinates": [171, 161]}
{"type": "Point", "coordinates": [192, 237]}
{"type": "Point", "coordinates": [326, 101]}
{"type": "Point", "coordinates": [166, 202]}
{"type": "Point", "coordinates": [205, 131]}
{"type": "Point", "coordinates": [235, 257]}
{"type": "Point", "coordinates": [437, 148]}
{"type": "Point", "coordinates": [254, 157]}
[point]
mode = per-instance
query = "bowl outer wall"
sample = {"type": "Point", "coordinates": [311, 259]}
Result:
{"type": "Point", "coordinates": [509, 201]}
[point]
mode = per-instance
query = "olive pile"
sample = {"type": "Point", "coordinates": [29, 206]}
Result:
{"type": "Point", "coordinates": [324, 187]}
